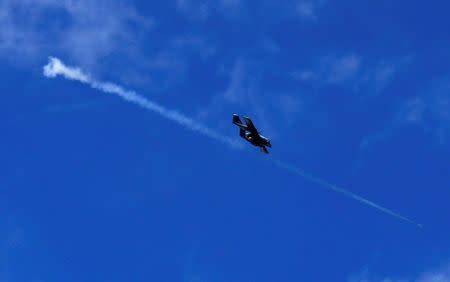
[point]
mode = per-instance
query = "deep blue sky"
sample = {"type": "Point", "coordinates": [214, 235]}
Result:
{"type": "Point", "coordinates": [96, 189]}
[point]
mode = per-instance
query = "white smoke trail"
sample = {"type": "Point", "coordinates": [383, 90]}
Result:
{"type": "Point", "coordinates": [55, 67]}
{"type": "Point", "coordinates": [343, 191]}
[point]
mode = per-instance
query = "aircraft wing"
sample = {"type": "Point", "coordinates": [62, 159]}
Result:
{"type": "Point", "coordinates": [250, 125]}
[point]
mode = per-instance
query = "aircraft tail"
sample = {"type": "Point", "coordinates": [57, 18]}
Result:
{"type": "Point", "coordinates": [242, 132]}
{"type": "Point", "coordinates": [237, 121]}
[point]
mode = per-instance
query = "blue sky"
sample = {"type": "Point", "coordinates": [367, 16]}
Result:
{"type": "Point", "coordinates": [97, 189]}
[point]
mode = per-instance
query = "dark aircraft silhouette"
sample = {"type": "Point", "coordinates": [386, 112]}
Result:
{"type": "Point", "coordinates": [249, 132]}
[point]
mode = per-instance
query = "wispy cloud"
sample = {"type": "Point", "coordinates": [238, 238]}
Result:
{"type": "Point", "coordinates": [201, 10]}
{"type": "Point", "coordinates": [86, 31]}
{"type": "Point", "coordinates": [237, 10]}
{"type": "Point", "coordinates": [198, 10]}
{"type": "Point", "coordinates": [192, 43]}
{"type": "Point", "coordinates": [237, 88]}
{"type": "Point", "coordinates": [440, 274]}
{"type": "Point", "coordinates": [170, 64]}
{"type": "Point", "coordinates": [235, 92]}
{"type": "Point", "coordinates": [306, 9]}
{"type": "Point", "coordinates": [331, 70]}
{"type": "Point", "coordinates": [309, 9]}
{"type": "Point", "coordinates": [428, 111]}
{"type": "Point", "coordinates": [365, 76]}
{"type": "Point", "coordinates": [245, 93]}
{"type": "Point", "coordinates": [339, 70]}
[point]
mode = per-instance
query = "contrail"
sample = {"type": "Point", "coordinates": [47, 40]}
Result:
{"type": "Point", "coordinates": [55, 67]}
{"type": "Point", "coordinates": [343, 191]}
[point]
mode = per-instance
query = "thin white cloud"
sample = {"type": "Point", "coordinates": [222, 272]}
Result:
{"type": "Point", "coordinates": [428, 111]}
{"type": "Point", "coordinates": [356, 73]}
{"type": "Point", "coordinates": [365, 78]}
{"type": "Point", "coordinates": [441, 274]}
{"type": "Point", "coordinates": [230, 3]}
{"type": "Point", "coordinates": [306, 9]}
{"type": "Point", "coordinates": [438, 275]}
{"type": "Point", "coordinates": [172, 62]}
{"type": "Point", "coordinates": [339, 70]}
{"type": "Point", "coordinates": [84, 30]}
{"type": "Point", "coordinates": [237, 88]}
{"type": "Point", "coordinates": [309, 10]}
{"type": "Point", "coordinates": [236, 92]}
{"type": "Point", "coordinates": [303, 75]}
{"type": "Point", "coordinates": [201, 10]}
{"type": "Point", "coordinates": [195, 44]}
{"type": "Point", "coordinates": [245, 93]}
{"type": "Point", "coordinates": [236, 10]}
{"type": "Point", "coordinates": [331, 70]}
{"type": "Point", "coordinates": [196, 10]}
{"type": "Point", "coordinates": [104, 37]}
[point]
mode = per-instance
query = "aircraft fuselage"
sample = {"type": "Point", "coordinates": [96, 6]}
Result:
{"type": "Point", "coordinates": [249, 132]}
